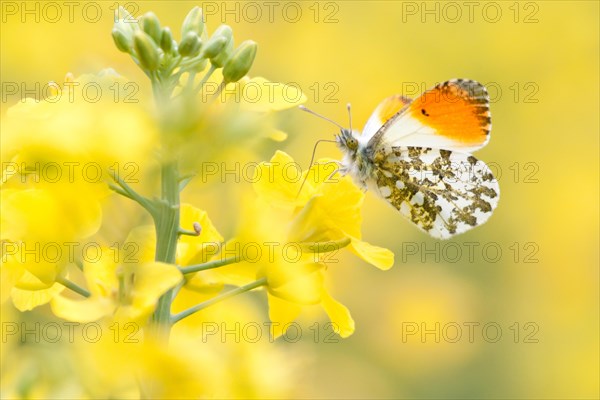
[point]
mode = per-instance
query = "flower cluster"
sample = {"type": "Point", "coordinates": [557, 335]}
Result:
{"type": "Point", "coordinates": [154, 48]}
{"type": "Point", "coordinates": [182, 264]}
{"type": "Point", "coordinates": [299, 227]}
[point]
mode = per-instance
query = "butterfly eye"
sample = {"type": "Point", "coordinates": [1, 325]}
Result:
{"type": "Point", "coordinates": [352, 143]}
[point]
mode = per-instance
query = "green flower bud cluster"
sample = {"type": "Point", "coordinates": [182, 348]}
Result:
{"type": "Point", "coordinates": [156, 51]}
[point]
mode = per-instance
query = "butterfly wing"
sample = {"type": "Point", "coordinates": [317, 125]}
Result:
{"type": "Point", "coordinates": [389, 107]}
{"type": "Point", "coordinates": [443, 192]}
{"type": "Point", "coordinates": [454, 115]}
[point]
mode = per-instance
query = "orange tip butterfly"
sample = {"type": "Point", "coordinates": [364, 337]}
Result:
{"type": "Point", "coordinates": [415, 154]}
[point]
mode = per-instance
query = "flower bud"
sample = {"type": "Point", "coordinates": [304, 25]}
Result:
{"type": "Point", "coordinates": [240, 62]}
{"type": "Point", "coordinates": [122, 41]}
{"type": "Point", "coordinates": [151, 26]}
{"type": "Point", "coordinates": [166, 40]}
{"type": "Point", "coordinates": [126, 23]}
{"type": "Point", "coordinates": [190, 45]}
{"type": "Point", "coordinates": [221, 58]}
{"type": "Point", "coordinates": [146, 50]}
{"type": "Point", "coordinates": [193, 22]}
{"type": "Point", "coordinates": [225, 31]}
{"type": "Point", "coordinates": [213, 46]}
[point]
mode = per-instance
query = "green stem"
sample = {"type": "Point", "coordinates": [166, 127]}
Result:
{"type": "Point", "coordinates": [127, 191]}
{"type": "Point", "coordinates": [167, 232]}
{"type": "Point", "coordinates": [209, 265]}
{"type": "Point", "coordinates": [184, 180]}
{"type": "Point", "coordinates": [242, 289]}
{"type": "Point", "coordinates": [73, 286]}
{"type": "Point", "coordinates": [205, 78]}
{"type": "Point", "coordinates": [192, 61]}
{"type": "Point", "coordinates": [191, 77]}
{"type": "Point", "coordinates": [188, 232]}
{"type": "Point", "coordinates": [174, 66]}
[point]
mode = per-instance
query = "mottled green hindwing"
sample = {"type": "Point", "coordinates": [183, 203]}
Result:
{"type": "Point", "coordinates": [443, 192]}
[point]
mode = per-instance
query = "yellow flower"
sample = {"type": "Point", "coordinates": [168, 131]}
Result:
{"type": "Point", "coordinates": [42, 228]}
{"type": "Point", "coordinates": [124, 292]}
{"type": "Point", "coordinates": [295, 231]}
{"type": "Point", "coordinates": [79, 127]}
{"type": "Point", "coordinates": [327, 209]}
{"type": "Point", "coordinates": [57, 154]}
{"type": "Point", "coordinates": [190, 249]}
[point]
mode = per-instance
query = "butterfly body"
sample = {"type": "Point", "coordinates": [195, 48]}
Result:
{"type": "Point", "coordinates": [358, 159]}
{"type": "Point", "coordinates": [415, 154]}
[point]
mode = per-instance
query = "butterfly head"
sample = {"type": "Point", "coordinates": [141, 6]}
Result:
{"type": "Point", "coordinates": [347, 141]}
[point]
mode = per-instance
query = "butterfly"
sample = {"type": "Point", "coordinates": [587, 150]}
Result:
{"type": "Point", "coordinates": [416, 155]}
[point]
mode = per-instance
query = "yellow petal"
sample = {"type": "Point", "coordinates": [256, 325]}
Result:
{"type": "Point", "coordinates": [377, 256]}
{"type": "Point", "coordinates": [338, 314]}
{"type": "Point", "coordinates": [296, 282]}
{"type": "Point", "coordinates": [100, 274]}
{"type": "Point", "coordinates": [88, 310]}
{"type": "Point", "coordinates": [313, 225]}
{"type": "Point", "coordinates": [191, 247]}
{"type": "Point", "coordinates": [324, 171]}
{"type": "Point", "coordinates": [29, 281]}
{"type": "Point", "coordinates": [281, 313]}
{"type": "Point", "coordinates": [236, 274]}
{"type": "Point", "coordinates": [279, 181]}
{"type": "Point", "coordinates": [152, 280]}
{"type": "Point", "coordinates": [205, 284]}
{"type": "Point", "coordinates": [331, 215]}
{"type": "Point", "coordinates": [140, 245]}
{"type": "Point", "coordinates": [342, 203]}
{"type": "Point", "coordinates": [10, 272]}
{"type": "Point", "coordinates": [25, 300]}
{"type": "Point", "coordinates": [260, 223]}
{"type": "Point", "coordinates": [241, 272]}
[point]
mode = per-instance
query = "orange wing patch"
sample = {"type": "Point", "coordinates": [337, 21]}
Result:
{"type": "Point", "coordinates": [457, 109]}
{"type": "Point", "coordinates": [391, 106]}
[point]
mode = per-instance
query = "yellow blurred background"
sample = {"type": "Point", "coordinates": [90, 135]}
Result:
{"type": "Point", "coordinates": [522, 290]}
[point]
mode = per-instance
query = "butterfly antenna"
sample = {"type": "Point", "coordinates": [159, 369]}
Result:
{"type": "Point", "coordinates": [349, 107]}
{"type": "Point", "coordinates": [320, 116]}
{"type": "Point", "coordinates": [312, 159]}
